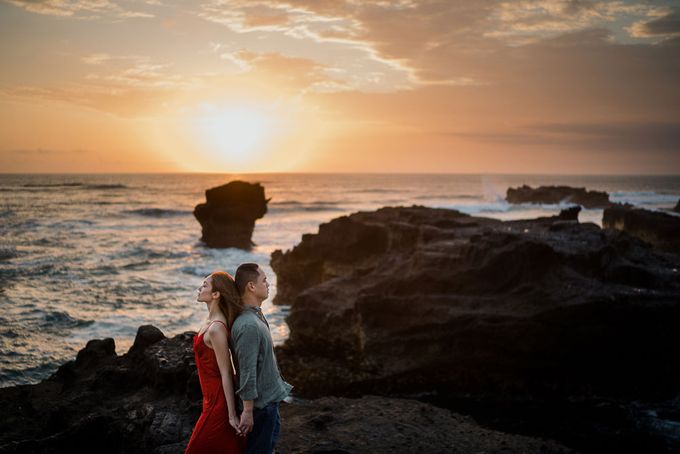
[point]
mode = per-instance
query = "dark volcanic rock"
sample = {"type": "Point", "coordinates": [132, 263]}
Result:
{"type": "Point", "coordinates": [456, 305]}
{"type": "Point", "coordinates": [677, 207]}
{"type": "Point", "coordinates": [148, 401]}
{"type": "Point", "coordinates": [557, 194]}
{"type": "Point", "coordinates": [102, 402]}
{"type": "Point", "coordinates": [445, 300]}
{"type": "Point", "coordinates": [656, 227]}
{"type": "Point", "coordinates": [229, 214]}
{"type": "Point", "coordinates": [384, 425]}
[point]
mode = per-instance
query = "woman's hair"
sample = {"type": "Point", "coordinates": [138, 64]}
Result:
{"type": "Point", "coordinates": [230, 302]}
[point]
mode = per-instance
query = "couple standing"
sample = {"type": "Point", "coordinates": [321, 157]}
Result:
{"type": "Point", "coordinates": [236, 328]}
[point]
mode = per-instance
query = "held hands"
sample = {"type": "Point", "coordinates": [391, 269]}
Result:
{"type": "Point", "coordinates": [246, 423]}
{"type": "Point", "coordinates": [234, 422]}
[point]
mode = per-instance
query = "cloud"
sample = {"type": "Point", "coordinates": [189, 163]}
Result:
{"type": "Point", "coordinates": [80, 9]}
{"type": "Point", "coordinates": [127, 102]}
{"type": "Point", "coordinates": [41, 152]}
{"type": "Point", "coordinates": [436, 41]}
{"type": "Point", "coordinates": [134, 86]}
{"type": "Point", "coordinates": [620, 136]}
{"type": "Point", "coordinates": [127, 86]}
{"type": "Point", "coordinates": [293, 72]}
{"type": "Point", "coordinates": [667, 26]}
{"type": "Point", "coordinates": [640, 136]}
{"type": "Point", "coordinates": [96, 59]}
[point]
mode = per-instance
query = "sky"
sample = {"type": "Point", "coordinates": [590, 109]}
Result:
{"type": "Point", "coordinates": [432, 86]}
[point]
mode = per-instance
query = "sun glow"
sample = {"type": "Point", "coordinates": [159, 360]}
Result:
{"type": "Point", "coordinates": [234, 135]}
{"type": "Point", "coordinates": [229, 135]}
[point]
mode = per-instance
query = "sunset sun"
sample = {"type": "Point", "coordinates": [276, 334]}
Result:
{"type": "Point", "coordinates": [233, 134]}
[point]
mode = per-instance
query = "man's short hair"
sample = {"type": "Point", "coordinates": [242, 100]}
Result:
{"type": "Point", "coordinates": [246, 272]}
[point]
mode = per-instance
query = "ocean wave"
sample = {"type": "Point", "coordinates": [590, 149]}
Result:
{"type": "Point", "coordinates": [137, 265]}
{"type": "Point", "coordinates": [10, 333]}
{"type": "Point", "coordinates": [51, 185]}
{"type": "Point", "coordinates": [157, 212]}
{"type": "Point", "coordinates": [494, 207]}
{"type": "Point", "coordinates": [144, 253]}
{"type": "Point", "coordinates": [290, 206]}
{"type": "Point", "coordinates": [371, 190]}
{"type": "Point", "coordinates": [197, 271]}
{"type": "Point", "coordinates": [105, 186]}
{"type": "Point", "coordinates": [8, 252]}
{"type": "Point", "coordinates": [307, 207]}
{"type": "Point", "coordinates": [300, 203]}
{"type": "Point", "coordinates": [40, 186]}
{"type": "Point", "coordinates": [449, 196]}
{"type": "Point", "coordinates": [15, 374]}
{"type": "Point", "coordinates": [645, 197]}
{"type": "Point", "coordinates": [62, 319]}
{"type": "Point", "coordinates": [69, 223]}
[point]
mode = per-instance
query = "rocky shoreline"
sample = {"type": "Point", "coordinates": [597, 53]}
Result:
{"type": "Point", "coordinates": [148, 400]}
{"type": "Point", "coordinates": [549, 334]}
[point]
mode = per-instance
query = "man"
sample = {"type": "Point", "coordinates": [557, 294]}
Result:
{"type": "Point", "coordinates": [260, 385]}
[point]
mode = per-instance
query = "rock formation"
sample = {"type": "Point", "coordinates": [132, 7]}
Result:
{"type": "Point", "coordinates": [558, 194]}
{"type": "Point", "coordinates": [677, 207]}
{"type": "Point", "coordinates": [229, 214]}
{"type": "Point", "coordinates": [420, 300]}
{"type": "Point", "coordinates": [148, 400]}
{"type": "Point", "coordinates": [655, 227]}
{"type": "Point", "coordinates": [386, 425]}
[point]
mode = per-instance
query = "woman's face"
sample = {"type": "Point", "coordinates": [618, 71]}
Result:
{"type": "Point", "coordinates": [205, 293]}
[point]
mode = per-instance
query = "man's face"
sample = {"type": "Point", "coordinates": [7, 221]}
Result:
{"type": "Point", "coordinates": [261, 286]}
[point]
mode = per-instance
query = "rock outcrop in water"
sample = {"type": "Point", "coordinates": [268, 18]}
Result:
{"type": "Point", "coordinates": [518, 313]}
{"type": "Point", "coordinates": [677, 207]}
{"type": "Point", "coordinates": [558, 194]}
{"type": "Point", "coordinates": [229, 214]}
{"type": "Point", "coordinates": [148, 400]}
{"type": "Point", "coordinates": [655, 227]}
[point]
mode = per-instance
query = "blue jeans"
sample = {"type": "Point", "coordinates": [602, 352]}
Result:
{"type": "Point", "coordinates": [266, 427]}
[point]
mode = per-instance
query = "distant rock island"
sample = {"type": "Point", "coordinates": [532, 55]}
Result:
{"type": "Point", "coordinates": [558, 194]}
{"type": "Point", "coordinates": [228, 217]}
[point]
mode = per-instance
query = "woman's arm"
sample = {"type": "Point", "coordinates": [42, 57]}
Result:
{"type": "Point", "coordinates": [219, 341]}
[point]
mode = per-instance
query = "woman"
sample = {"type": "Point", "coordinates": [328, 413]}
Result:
{"type": "Point", "coordinates": [216, 429]}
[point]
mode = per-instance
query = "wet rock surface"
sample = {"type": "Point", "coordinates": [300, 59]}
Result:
{"type": "Point", "coordinates": [655, 227]}
{"type": "Point", "coordinates": [558, 194]}
{"type": "Point", "coordinates": [549, 321]}
{"type": "Point", "coordinates": [228, 217]}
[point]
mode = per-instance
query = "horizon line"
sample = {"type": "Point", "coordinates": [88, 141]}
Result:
{"type": "Point", "coordinates": [355, 173]}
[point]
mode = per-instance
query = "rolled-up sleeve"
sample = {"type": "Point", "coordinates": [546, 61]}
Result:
{"type": "Point", "coordinates": [246, 343]}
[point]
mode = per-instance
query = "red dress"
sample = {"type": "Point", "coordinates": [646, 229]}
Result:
{"type": "Point", "coordinates": [212, 433]}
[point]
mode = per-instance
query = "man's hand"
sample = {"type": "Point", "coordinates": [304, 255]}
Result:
{"type": "Point", "coordinates": [246, 424]}
{"type": "Point", "coordinates": [235, 422]}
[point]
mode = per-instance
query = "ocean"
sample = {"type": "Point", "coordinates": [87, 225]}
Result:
{"type": "Point", "coordinates": [93, 256]}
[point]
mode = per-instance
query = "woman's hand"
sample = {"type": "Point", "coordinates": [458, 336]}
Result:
{"type": "Point", "coordinates": [234, 422]}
